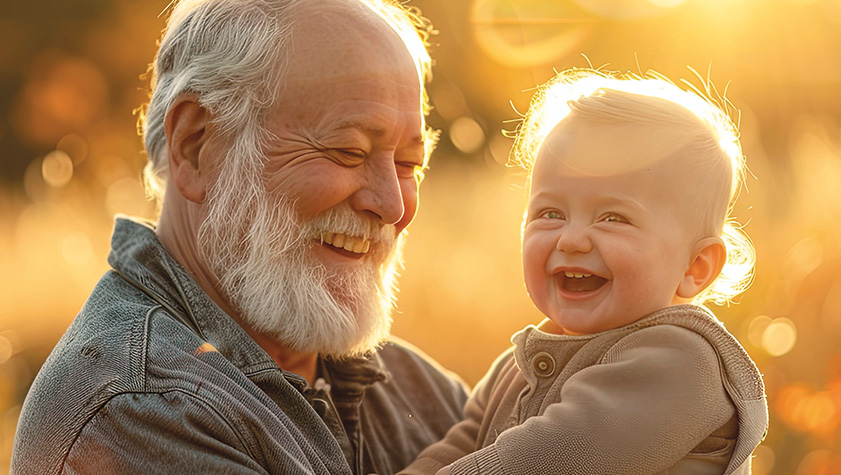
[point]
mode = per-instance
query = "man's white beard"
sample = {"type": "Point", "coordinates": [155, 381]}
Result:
{"type": "Point", "coordinates": [264, 260]}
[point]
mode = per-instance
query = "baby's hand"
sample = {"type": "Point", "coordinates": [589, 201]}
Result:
{"type": "Point", "coordinates": [443, 471]}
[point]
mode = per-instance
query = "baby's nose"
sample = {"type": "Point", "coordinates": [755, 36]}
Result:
{"type": "Point", "coordinates": [574, 239]}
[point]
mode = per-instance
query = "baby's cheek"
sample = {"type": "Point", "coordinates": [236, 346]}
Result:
{"type": "Point", "coordinates": [534, 274]}
{"type": "Point", "coordinates": [534, 264]}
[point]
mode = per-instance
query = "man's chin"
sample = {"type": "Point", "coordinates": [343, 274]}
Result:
{"type": "Point", "coordinates": [370, 330]}
{"type": "Point", "coordinates": [368, 342]}
{"type": "Point", "coordinates": [340, 345]}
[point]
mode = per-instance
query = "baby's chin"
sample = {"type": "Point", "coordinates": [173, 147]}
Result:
{"type": "Point", "coordinates": [568, 325]}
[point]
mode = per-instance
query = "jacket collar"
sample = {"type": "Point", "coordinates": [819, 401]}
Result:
{"type": "Point", "coordinates": [138, 257]}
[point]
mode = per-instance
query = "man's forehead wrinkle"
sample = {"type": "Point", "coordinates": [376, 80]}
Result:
{"type": "Point", "coordinates": [336, 34]}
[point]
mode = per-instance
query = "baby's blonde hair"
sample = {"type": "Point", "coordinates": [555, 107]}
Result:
{"type": "Point", "coordinates": [706, 137]}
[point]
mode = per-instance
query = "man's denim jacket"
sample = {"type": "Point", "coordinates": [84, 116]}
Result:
{"type": "Point", "coordinates": [153, 377]}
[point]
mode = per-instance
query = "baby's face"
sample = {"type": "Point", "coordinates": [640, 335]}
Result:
{"type": "Point", "coordinates": [600, 249]}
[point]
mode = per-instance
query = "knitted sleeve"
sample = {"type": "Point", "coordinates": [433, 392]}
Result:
{"type": "Point", "coordinates": [461, 439]}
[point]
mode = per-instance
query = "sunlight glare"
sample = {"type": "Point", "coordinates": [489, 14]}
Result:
{"type": "Point", "coordinates": [667, 3]}
{"type": "Point", "coordinates": [625, 9]}
{"type": "Point", "coordinates": [527, 33]}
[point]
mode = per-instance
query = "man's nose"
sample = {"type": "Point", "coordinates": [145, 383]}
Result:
{"type": "Point", "coordinates": [574, 238]}
{"type": "Point", "coordinates": [381, 193]}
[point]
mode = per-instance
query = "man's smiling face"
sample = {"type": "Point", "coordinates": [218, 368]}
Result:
{"type": "Point", "coordinates": [348, 129]}
{"type": "Point", "coordinates": [313, 261]}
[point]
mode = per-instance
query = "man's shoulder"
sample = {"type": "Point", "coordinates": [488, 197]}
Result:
{"type": "Point", "coordinates": [113, 331]}
{"type": "Point", "coordinates": [104, 352]}
{"type": "Point", "coordinates": [94, 360]}
{"type": "Point", "coordinates": [106, 333]}
{"type": "Point", "coordinates": [401, 358]}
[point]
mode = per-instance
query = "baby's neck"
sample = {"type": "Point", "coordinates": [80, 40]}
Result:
{"type": "Point", "coordinates": [548, 326]}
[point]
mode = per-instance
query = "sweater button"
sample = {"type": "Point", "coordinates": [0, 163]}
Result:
{"type": "Point", "coordinates": [543, 364]}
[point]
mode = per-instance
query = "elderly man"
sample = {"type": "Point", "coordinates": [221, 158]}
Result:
{"type": "Point", "coordinates": [245, 333]}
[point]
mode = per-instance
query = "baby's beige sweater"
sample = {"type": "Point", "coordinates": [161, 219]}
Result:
{"type": "Point", "coordinates": [673, 393]}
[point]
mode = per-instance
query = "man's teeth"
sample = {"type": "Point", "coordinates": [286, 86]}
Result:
{"type": "Point", "coordinates": [349, 243]}
{"type": "Point", "coordinates": [576, 275]}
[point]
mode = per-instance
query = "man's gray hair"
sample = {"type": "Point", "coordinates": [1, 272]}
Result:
{"type": "Point", "coordinates": [233, 54]}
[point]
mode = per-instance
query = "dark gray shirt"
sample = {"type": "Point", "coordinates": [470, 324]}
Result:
{"type": "Point", "coordinates": [153, 377]}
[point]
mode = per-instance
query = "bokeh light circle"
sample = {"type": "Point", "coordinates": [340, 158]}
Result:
{"type": "Point", "coordinates": [757, 328]}
{"type": "Point", "coordinates": [467, 135]}
{"type": "Point", "coordinates": [779, 337]}
{"type": "Point", "coordinates": [524, 33]}
{"type": "Point", "coordinates": [6, 349]}
{"type": "Point", "coordinates": [57, 168]}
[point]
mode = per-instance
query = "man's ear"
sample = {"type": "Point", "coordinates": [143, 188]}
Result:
{"type": "Point", "coordinates": [709, 258]}
{"type": "Point", "coordinates": [186, 126]}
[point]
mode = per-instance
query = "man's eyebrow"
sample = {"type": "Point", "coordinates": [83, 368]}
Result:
{"type": "Point", "coordinates": [378, 131]}
{"type": "Point", "coordinates": [372, 130]}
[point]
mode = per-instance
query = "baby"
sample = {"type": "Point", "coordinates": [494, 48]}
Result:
{"type": "Point", "coordinates": [626, 235]}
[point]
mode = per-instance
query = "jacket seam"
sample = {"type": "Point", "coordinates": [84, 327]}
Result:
{"type": "Point", "coordinates": [204, 403]}
{"type": "Point", "coordinates": [144, 350]}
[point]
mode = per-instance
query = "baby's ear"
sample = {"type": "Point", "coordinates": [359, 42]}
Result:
{"type": "Point", "coordinates": [708, 259]}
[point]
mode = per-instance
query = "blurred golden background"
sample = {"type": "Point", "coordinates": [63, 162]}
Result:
{"type": "Point", "coordinates": [70, 79]}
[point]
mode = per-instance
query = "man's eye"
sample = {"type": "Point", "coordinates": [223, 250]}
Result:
{"type": "Point", "coordinates": [409, 170]}
{"type": "Point", "coordinates": [614, 218]}
{"type": "Point", "coordinates": [347, 157]}
{"type": "Point", "coordinates": [353, 153]}
{"type": "Point", "coordinates": [551, 214]}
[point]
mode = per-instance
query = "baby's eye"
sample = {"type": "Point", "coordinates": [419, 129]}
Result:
{"type": "Point", "coordinates": [613, 218]}
{"type": "Point", "coordinates": [551, 214]}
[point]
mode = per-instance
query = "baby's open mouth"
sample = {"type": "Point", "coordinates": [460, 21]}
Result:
{"type": "Point", "coordinates": [580, 282]}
